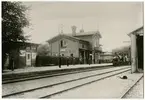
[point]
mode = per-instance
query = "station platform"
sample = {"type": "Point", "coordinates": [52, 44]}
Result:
{"type": "Point", "coordinates": [50, 68]}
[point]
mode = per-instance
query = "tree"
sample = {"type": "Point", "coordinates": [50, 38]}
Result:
{"type": "Point", "coordinates": [43, 49]}
{"type": "Point", "coordinates": [122, 50]}
{"type": "Point", "coordinates": [13, 22]}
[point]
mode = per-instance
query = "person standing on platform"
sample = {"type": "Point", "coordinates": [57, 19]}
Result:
{"type": "Point", "coordinates": [59, 61]}
{"type": "Point", "coordinates": [73, 60]}
{"type": "Point", "coordinates": [67, 61]}
{"type": "Point", "coordinates": [90, 56]}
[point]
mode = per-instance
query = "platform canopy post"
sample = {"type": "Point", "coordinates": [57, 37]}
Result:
{"type": "Point", "coordinates": [133, 54]}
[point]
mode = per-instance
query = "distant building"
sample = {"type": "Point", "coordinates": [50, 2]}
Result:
{"type": "Point", "coordinates": [106, 57]}
{"type": "Point", "coordinates": [28, 53]}
{"type": "Point", "coordinates": [137, 49]}
{"type": "Point", "coordinates": [82, 45]}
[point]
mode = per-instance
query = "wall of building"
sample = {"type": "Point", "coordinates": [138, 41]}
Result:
{"type": "Point", "coordinates": [107, 57]}
{"type": "Point", "coordinates": [87, 38]}
{"type": "Point", "coordinates": [71, 48]}
{"type": "Point", "coordinates": [134, 50]}
{"type": "Point", "coordinates": [54, 48]}
{"type": "Point", "coordinates": [28, 56]}
{"type": "Point", "coordinates": [95, 42]}
{"type": "Point", "coordinates": [83, 46]}
{"type": "Point", "coordinates": [92, 39]}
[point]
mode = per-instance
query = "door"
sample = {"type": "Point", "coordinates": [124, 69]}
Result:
{"type": "Point", "coordinates": [140, 51]}
{"type": "Point", "coordinates": [28, 59]}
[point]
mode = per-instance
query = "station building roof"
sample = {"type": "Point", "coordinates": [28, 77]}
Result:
{"type": "Point", "coordinates": [79, 34]}
{"type": "Point", "coordinates": [66, 36]}
{"type": "Point", "coordinates": [138, 31]}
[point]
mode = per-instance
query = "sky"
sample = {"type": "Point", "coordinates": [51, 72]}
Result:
{"type": "Point", "coordinates": [113, 20]}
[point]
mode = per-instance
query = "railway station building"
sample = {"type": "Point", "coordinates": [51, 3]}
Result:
{"type": "Point", "coordinates": [82, 45]}
{"type": "Point", "coordinates": [137, 50]}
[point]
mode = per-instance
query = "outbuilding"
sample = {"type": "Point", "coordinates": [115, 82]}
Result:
{"type": "Point", "coordinates": [137, 50]}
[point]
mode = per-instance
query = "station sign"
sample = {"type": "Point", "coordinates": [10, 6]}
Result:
{"type": "Point", "coordinates": [62, 49]}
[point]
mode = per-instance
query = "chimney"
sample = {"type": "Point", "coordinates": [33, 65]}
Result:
{"type": "Point", "coordinates": [82, 30]}
{"type": "Point", "coordinates": [73, 30]}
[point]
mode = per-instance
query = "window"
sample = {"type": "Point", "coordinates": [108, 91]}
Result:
{"type": "Point", "coordinates": [28, 56]}
{"type": "Point", "coordinates": [33, 48]}
{"type": "Point", "coordinates": [28, 48]}
{"type": "Point", "coordinates": [83, 46]}
{"type": "Point", "coordinates": [71, 55]}
{"type": "Point", "coordinates": [63, 43]}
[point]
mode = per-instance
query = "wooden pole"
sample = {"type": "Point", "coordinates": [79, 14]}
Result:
{"type": "Point", "coordinates": [59, 43]}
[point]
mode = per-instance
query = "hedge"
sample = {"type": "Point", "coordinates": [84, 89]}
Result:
{"type": "Point", "coordinates": [53, 60]}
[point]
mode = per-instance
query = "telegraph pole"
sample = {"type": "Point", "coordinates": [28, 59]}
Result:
{"type": "Point", "coordinates": [59, 43]}
{"type": "Point", "coordinates": [61, 26]}
{"type": "Point", "coordinates": [59, 54]}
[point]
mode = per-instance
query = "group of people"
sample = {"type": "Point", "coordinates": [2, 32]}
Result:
{"type": "Point", "coordinates": [69, 60]}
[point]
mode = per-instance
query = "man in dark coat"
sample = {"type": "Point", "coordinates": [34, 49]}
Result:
{"type": "Point", "coordinates": [67, 61]}
{"type": "Point", "coordinates": [59, 61]}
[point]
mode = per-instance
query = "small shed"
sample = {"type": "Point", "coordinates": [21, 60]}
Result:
{"type": "Point", "coordinates": [137, 50]}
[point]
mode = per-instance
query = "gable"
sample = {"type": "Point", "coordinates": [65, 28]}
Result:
{"type": "Point", "coordinates": [97, 34]}
{"type": "Point", "coordinates": [60, 36]}
{"type": "Point", "coordinates": [88, 34]}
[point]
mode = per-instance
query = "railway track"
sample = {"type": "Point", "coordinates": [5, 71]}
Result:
{"type": "Point", "coordinates": [46, 75]}
{"type": "Point", "coordinates": [50, 90]}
